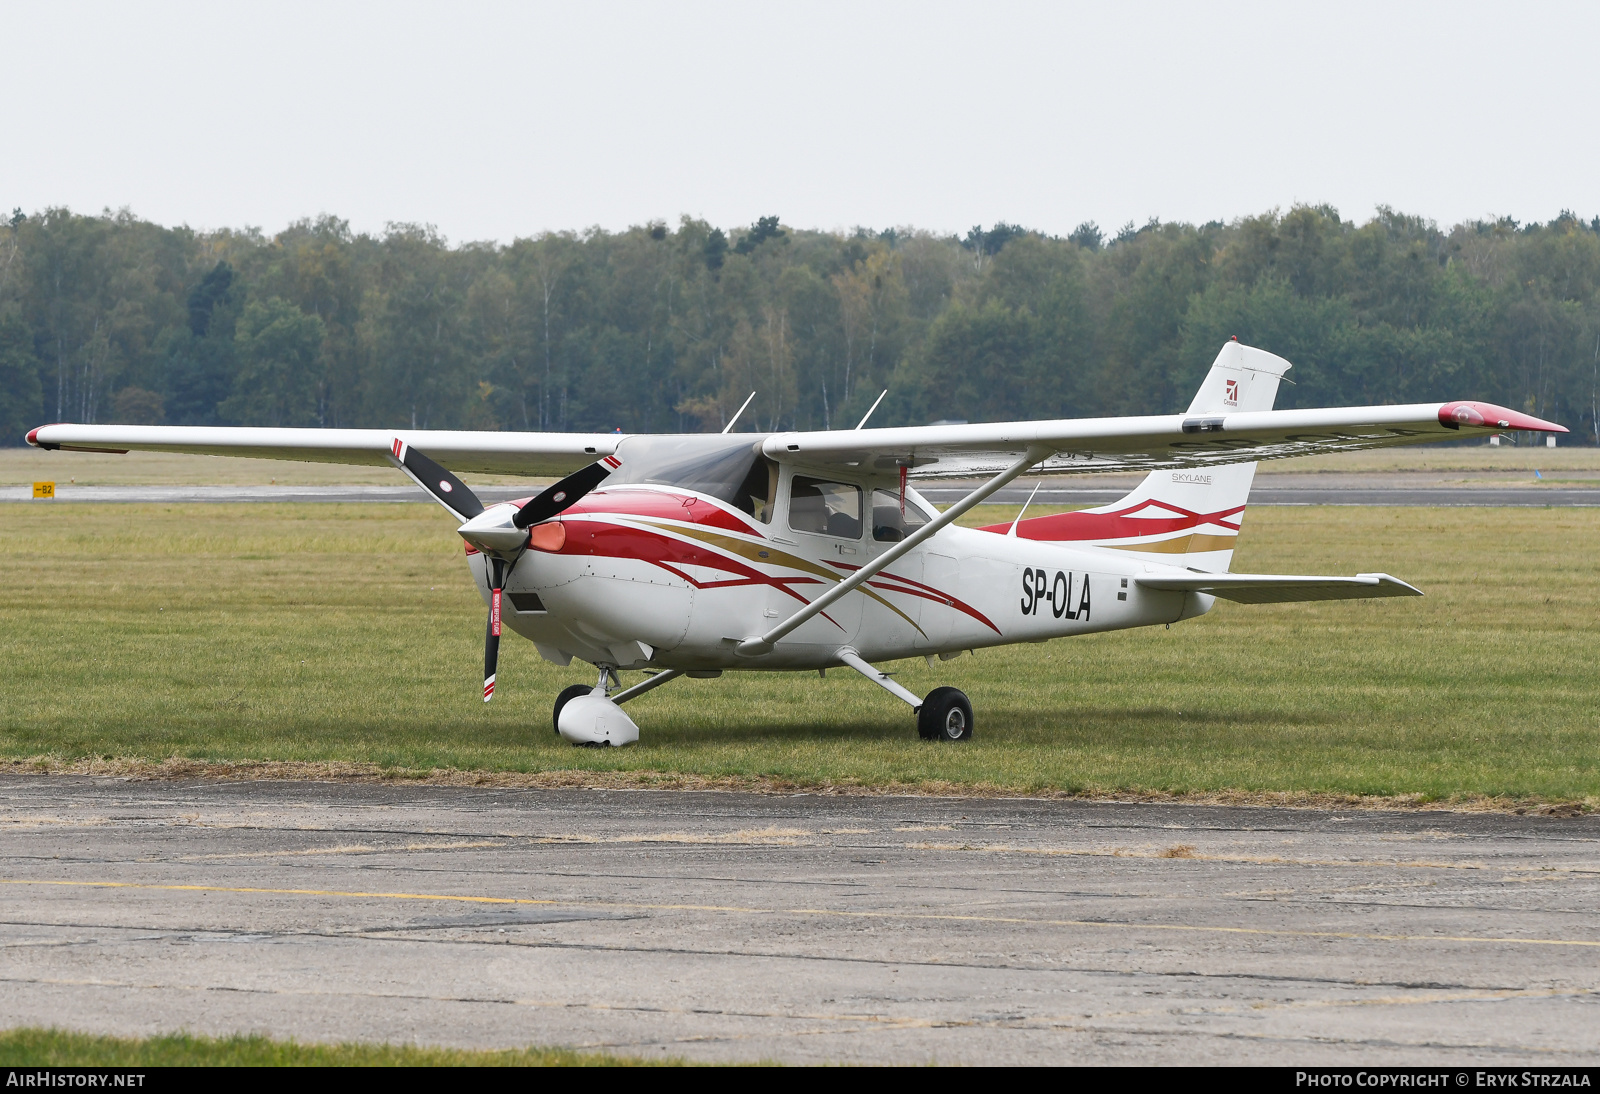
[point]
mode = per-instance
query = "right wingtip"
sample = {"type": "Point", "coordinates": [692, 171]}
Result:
{"type": "Point", "coordinates": [33, 439]}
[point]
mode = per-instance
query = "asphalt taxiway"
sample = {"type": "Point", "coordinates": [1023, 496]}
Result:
{"type": "Point", "coordinates": [1324, 488]}
{"type": "Point", "coordinates": [800, 928]}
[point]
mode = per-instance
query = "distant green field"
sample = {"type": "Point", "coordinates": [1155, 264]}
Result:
{"type": "Point", "coordinates": [59, 1048]}
{"type": "Point", "coordinates": [351, 632]}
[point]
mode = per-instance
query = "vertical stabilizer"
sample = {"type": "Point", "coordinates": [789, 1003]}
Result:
{"type": "Point", "coordinates": [1187, 517]}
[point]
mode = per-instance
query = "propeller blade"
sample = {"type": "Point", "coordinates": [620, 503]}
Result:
{"type": "Point", "coordinates": [565, 492]}
{"type": "Point", "coordinates": [491, 640]}
{"type": "Point", "coordinates": [446, 489]}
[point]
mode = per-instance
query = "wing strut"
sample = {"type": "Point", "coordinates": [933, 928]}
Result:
{"type": "Point", "coordinates": [757, 646]}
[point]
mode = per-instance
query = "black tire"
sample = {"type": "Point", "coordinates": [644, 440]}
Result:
{"type": "Point", "coordinates": [945, 715]}
{"type": "Point", "coordinates": [566, 696]}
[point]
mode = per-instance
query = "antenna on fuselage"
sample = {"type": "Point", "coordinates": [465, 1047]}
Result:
{"type": "Point", "coordinates": [1024, 509]}
{"type": "Point", "coordinates": [738, 412]}
{"type": "Point", "coordinates": [874, 406]}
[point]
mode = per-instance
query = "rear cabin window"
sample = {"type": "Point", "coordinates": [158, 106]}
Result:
{"type": "Point", "coordinates": [888, 524]}
{"type": "Point", "coordinates": [827, 508]}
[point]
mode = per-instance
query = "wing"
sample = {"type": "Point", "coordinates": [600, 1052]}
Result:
{"type": "Point", "coordinates": [1280, 588]}
{"type": "Point", "coordinates": [1083, 445]}
{"type": "Point", "coordinates": [531, 454]}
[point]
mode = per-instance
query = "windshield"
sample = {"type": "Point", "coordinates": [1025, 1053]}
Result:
{"type": "Point", "coordinates": [726, 468]}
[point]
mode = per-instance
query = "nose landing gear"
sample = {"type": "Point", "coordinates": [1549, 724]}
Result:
{"type": "Point", "coordinates": [593, 718]}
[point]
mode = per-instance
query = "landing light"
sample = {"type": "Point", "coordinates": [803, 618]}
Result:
{"type": "Point", "coordinates": [548, 537]}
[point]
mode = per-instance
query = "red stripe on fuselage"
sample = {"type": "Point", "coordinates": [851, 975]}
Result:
{"type": "Point", "coordinates": [1090, 525]}
{"type": "Point", "coordinates": [663, 505]}
{"type": "Point", "coordinates": [604, 540]}
{"type": "Point", "coordinates": [917, 588]}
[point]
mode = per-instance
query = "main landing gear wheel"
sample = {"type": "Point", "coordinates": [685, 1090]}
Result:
{"type": "Point", "coordinates": [566, 696]}
{"type": "Point", "coordinates": [945, 715]}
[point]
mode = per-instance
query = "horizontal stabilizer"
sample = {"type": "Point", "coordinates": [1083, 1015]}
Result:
{"type": "Point", "coordinates": [1279, 588]}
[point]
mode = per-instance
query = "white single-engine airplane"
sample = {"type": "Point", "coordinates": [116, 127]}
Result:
{"type": "Point", "coordinates": [697, 554]}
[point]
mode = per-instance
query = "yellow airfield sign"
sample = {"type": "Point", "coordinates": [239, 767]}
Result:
{"type": "Point", "coordinates": [44, 490]}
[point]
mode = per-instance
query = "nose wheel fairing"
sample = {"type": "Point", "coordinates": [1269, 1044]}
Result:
{"type": "Point", "coordinates": [595, 721]}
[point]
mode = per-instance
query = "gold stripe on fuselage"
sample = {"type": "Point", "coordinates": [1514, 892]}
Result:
{"type": "Point", "coordinates": [1190, 544]}
{"type": "Point", "coordinates": [753, 552]}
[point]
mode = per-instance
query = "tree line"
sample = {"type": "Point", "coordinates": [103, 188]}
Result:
{"type": "Point", "coordinates": [111, 318]}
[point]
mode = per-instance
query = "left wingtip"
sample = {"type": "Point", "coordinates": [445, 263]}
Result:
{"type": "Point", "coordinates": [1488, 415]}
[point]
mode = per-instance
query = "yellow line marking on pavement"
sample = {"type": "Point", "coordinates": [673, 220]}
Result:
{"type": "Point", "coordinates": [753, 836]}
{"type": "Point", "coordinates": [928, 917]}
{"type": "Point", "coordinates": [347, 849]}
{"type": "Point", "coordinates": [1254, 860]}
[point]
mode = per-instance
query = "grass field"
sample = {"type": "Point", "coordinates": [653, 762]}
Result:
{"type": "Point", "coordinates": [22, 1048]}
{"type": "Point", "coordinates": [351, 633]}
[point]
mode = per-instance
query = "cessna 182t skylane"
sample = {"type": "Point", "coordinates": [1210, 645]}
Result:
{"type": "Point", "coordinates": [697, 554]}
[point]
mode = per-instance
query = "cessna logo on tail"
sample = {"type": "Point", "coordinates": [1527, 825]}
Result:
{"type": "Point", "coordinates": [1231, 395]}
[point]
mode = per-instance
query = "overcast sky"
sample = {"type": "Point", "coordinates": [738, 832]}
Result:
{"type": "Point", "coordinates": [498, 120]}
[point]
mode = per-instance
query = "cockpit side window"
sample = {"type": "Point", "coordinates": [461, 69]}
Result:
{"type": "Point", "coordinates": [827, 508]}
{"type": "Point", "coordinates": [888, 524]}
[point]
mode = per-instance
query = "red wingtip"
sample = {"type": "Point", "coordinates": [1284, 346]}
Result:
{"type": "Point", "coordinates": [1489, 416]}
{"type": "Point", "coordinates": [33, 436]}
